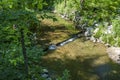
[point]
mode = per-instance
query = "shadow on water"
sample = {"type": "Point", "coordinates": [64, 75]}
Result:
{"type": "Point", "coordinates": [46, 33]}
{"type": "Point", "coordinates": [103, 71]}
{"type": "Point", "coordinates": [82, 68]}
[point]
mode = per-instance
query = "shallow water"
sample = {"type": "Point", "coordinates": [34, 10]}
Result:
{"type": "Point", "coordinates": [85, 60]}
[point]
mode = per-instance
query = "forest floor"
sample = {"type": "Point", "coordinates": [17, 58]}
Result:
{"type": "Point", "coordinates": [84, 60]}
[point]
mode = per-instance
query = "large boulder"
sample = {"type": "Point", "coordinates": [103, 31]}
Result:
{"type": "Point", "coordinates": [114, 54]}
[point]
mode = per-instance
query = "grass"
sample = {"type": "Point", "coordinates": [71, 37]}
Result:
{"type": "Point", "coordinates": [84, 59]}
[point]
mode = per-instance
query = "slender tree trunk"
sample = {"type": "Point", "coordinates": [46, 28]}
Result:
{"type": "Point", "coordinates": [24, 51]}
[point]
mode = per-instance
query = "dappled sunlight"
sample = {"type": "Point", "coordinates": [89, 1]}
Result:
{"type": "Point", "coordinates": [100, 61]}
{"type": "Point", "coordinates": [79, 67]}
{"type": "Point", "coordinates": [50, 22]}
{"type": "Point", "coordinates": [59, 39]}
{"type": "Point", "coordinates": [84, 59]}
{"type": "Point", "coordinates": [53, 31]}
{"type": "Point", "coordinates": [79, 58]}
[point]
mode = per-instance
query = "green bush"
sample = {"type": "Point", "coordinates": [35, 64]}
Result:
{"type": "Point", "coordinates": [97, 9]}
{"type": "Point", "coordinates": [15, 15]}
{"type": "Point", "coordinates": [112, 38]}
{"type": "Point", "coordinates": [12, 62]}
{"type": "Point", "coordinates": [66, 75]}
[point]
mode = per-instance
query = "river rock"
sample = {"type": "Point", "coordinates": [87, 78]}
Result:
{"type": "Point", "coordinates": [52, 47]}
{"type": "Point", "coordinates": [46, 75]}
{"type": "Point", "coordinates": [114, 54]}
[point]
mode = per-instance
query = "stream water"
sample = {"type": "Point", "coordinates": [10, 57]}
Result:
{"type": "Point", "coordinates": [84, 60]}
{"type": "Point", "coordinates": [55, 46]}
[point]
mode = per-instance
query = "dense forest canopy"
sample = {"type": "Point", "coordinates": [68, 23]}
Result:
{"type": "Point", "coordinates": [27, 15]}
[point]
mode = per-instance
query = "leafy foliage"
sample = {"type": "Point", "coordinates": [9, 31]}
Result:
{"type": "Point", "coordinates": [90, 11]}
{"type": "Point", "coordinates": [95, 9]}
{"type": "Point", "coordinates": [12, 65]}
{"type": "Point", "coordinates": [65, 76]}
{"type": "Point", "coordinates": [111, 38]}
{"type": "Point", "coordinates": [17, 14]}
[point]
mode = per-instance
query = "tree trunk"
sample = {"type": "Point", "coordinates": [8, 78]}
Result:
{"type": "Point", "coordinates": [24, 51]}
